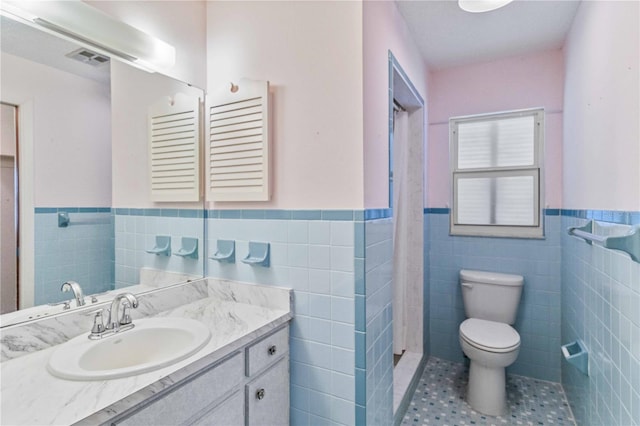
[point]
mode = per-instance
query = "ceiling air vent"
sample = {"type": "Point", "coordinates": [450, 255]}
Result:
{"type": "Point", "coordinates": [88, 57]}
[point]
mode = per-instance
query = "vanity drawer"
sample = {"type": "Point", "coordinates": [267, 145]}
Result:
{"type": "Point", "coordinates": [267, 350]}
{"type": "Point", "coordinates": [268, 396]}
{"type": "Point", "coordinates": [180, 405]}
{"type": "Point", "coordinates": [229, 413]}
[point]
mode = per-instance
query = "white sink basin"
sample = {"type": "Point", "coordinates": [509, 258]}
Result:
{"type": "Point", "coordinates": [153, 343]}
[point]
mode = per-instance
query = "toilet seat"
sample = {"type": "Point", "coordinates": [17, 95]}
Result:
{"type": "Point", "coordinates": [489, 336]}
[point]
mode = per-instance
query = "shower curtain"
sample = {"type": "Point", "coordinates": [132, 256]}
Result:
{"type": "Point", "coordinates": [400, 229]}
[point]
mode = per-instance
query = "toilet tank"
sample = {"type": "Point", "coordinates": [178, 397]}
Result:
{"type": "Point", "coordinates": [490, 295]}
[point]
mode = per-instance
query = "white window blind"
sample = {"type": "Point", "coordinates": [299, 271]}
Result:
{"type": "Point", "coordinates": [174, 149]}
{"type": "Point", "coordinates": [238, 154]}
{"type": "Point", "coordinates": [496, 172]}
{"type": "Point", "coordinates": [506, 142]}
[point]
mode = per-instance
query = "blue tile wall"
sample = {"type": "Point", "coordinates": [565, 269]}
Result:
{"type": "Point", "coordinates": [82, 251]}
{"type": "Point", "coordinates": [377, 373]}
{"type": "Point", "coordinates": [597, 302]}
{"type": "Point", "coordinates": [426, 319]}
{"type": "Point", "coordinates": [613, 216]}
{"type": "Point", "coordinates": [538, 260]}
{"type": "Point", "coordinates": [601, 306]}
{"type": "Point", "coordinates": [373, 323]}
{"type": "Point", "coordinates": [312, 252]}
{"type": "Point", "coordinates": [339, 265]}
{"type": "Point", "coordinates": [135, 232]}
{"type": "Point", "coordinates": [360, 323]}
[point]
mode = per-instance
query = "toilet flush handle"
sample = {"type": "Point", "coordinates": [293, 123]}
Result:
{"type": "Point", "coordinates": [467, 285]}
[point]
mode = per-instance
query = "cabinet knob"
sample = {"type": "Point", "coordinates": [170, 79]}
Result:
{"type": "Point", "coordinates": [272, 350]}
{"type": "Point", "coordinates": [260, 393]}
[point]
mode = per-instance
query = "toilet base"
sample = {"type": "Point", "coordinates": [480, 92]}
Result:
{"type": "Point", "coordinates": [486, 392]}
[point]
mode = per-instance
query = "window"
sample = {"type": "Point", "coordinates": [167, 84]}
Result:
{"type": "Point", "coordinates": [496, 166]}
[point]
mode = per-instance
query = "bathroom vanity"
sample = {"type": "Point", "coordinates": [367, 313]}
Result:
{"type": "Point", "coordinates": [241, 376]}
{"type": "Point", "coordinates": [250, 386]}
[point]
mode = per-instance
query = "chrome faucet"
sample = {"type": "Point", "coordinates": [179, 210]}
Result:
{"type": "Point", "coordinates": [77, 291]}
{"type": "Point", "coordinates": [114, 321]}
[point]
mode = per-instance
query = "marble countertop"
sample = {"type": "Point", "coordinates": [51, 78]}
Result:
{"type": "Point", "coordinates": [150, 279]}
{"type": "Point", "coordinates": [30, 395]}
{"type": "Point", "coordinates": [49, 310]}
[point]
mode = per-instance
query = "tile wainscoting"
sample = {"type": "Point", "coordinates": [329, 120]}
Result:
{"type": "Point", "coordinates": [538, 260]}
{"type": "Point", "coordinates": [83, 251]}
{"type": "Point", "coordinates": [339, 263]}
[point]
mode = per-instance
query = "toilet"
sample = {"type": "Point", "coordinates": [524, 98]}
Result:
{"type": "Point", "coordinates": [486, 336]}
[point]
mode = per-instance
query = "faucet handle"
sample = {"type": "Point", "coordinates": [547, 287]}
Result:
{"type": "Point", "coordinates": [98, 325]}
{"type": "Point", "coordinates": [112, 323]}
{"type": "Point", "coordinates": [126, 318]}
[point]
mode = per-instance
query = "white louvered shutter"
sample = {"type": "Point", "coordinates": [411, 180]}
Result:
{"type": "Point", "coordinates": [174, 149]}
{"type": "Point", "coordinates": [238, 147]}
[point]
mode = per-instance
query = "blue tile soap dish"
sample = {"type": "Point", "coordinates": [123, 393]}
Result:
{"type": "Point", "coordinates": [189, 248]}
{"type": "Point", "coordinates": [577, 355]}
{"type": "Point", "coordinates": [162, 247]}
{"type": "Point", "coordinates": [258, 254]}
{"type": "Point", "coordinates": [226, 251]}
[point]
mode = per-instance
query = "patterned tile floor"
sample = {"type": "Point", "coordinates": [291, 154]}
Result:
{"type": "Point", "coordinates": [439, 400]}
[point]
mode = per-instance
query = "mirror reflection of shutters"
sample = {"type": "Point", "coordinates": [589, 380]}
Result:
{"type": "Point", "coordinates": [174, 149]}
{"type": "Point", "coordinates": [238, 148]}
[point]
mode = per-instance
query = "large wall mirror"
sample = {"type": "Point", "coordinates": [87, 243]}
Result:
{"type": "Point", "coordinates": [76, 199]}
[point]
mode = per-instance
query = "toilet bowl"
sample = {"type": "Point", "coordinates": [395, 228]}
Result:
{"type": "Point", "coordinates": [487, 338]}
{"type": "Point", "coordinates": [491, 346]}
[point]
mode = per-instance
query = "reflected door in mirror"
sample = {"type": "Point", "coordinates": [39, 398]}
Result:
{"type": "Point", "coordinates": [8, 209]}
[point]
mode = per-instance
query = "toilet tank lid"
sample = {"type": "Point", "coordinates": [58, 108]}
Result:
{"type": "Point", "coordinates": [491, 277]}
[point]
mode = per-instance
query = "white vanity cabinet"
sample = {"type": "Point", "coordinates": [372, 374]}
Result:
{"type": "Point", "coordinates": [248, 387]}
{"type": "Point", "coordinates": [230, 412]}
{"type": "Point", "coordinates": [268, 396]}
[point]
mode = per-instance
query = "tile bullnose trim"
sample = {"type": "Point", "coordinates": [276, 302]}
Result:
{"type": "Point", "coordinates": [159, 212]}
{"type": "Point", "coordinates": [613, 216]}
{"type": "Point", "coordinates": [41, 210]}
{"type": "Point", "coordinates": [373, 214]}
{"type": "Point", "coordinates": [345, 215]}
{"type": "Point", "coordinates": [616, 216]}
{"type": "Point", "coordinates": [437, 210]}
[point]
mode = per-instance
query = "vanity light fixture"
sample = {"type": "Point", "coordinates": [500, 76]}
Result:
{"type": "Point", "coordinates": [75, 20]}
{"type": "Point", "coordinates": [479, 6]}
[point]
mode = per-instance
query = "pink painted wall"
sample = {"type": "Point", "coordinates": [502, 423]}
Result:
{"type": "Point", "coordinates": [133, 91]}
{"type": "Point", "coordinates": [602, 108]}
{"type": "Point", "coordinates": [311, 53]}
{"type": "Point", "coordinates": [179, 23]}
{"type": "Point", "coordinates": [182, 24]}
{"type": "Point", "coordinates": [384, 30]}
{"type": "Point", "coordinates": [71, 126]}
{"type": "Point", "coordinates": [529, 81]}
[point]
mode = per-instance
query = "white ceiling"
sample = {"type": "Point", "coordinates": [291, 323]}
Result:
{"type": "Point", "coordinates": [447, 36]}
